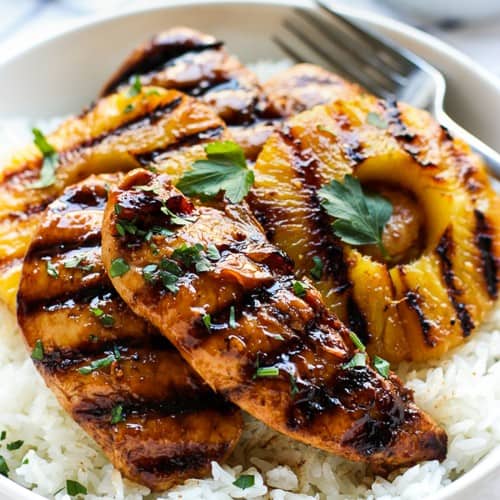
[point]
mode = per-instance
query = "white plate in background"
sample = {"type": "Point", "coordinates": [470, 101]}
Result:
{"type": "Point", "coordinates": [63, 74]}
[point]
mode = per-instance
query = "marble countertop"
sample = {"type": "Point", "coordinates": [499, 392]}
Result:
{"type": "Point", "coordinates": [24, 22]}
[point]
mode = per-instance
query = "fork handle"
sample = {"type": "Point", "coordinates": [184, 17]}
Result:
{"type": "Point", "coordinates": [490, 156]}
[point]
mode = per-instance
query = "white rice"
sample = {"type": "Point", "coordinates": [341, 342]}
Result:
{"type": "Point", "coordinates": [461, 391]}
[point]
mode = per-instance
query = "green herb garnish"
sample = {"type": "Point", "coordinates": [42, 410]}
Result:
{"type": "Point", "coordinates": [357, 342]}
{"type": "Point", "coordinates": [359, 359]}
{"type": "Point", "coordinates": [128, 108]}
{"type": "Point", "coordinates": [4, 468]}
{"type": "Point", "coordinates": [119, 267]}
{"type": "Point", "coordinates": [360, 217]}
{"type": "Point", "coordinates": [245, 481]}
{"type": "Point", "coordinates": [175, 219]}
{"type": "Point", "coordinates": [50, 160]}
{"type": "Point", "coordinates": [267, 371]}
{"type": "Point", "coordinates": [207, 321]}
{"type": "Point", "coordinates": [74, 488]}
{"type": "Point", "coordinates": [232, 318]}
{"type": "Point", "coordinates": [3, 435]}
{"type": "Point", "coordinates": [382, 366]}
{"type": "Point", "coordinates": [192, 256]}
{"type": "Point", "coordinates": [106, 319]}
{"type": "Point", "coordinates": [15, 445]}
{"type": "Point", "coordinates": [117, 414]}
{"type": "Point", "coordinates": [52, 270]}
{"type": "Point", "coordinates": [376, 120]}
{"type": "Point", "coordinates": [213, 253]}
{"type": "Point", "coordinates": [299, 288]}
{"type": "Point", "coordinates": [317, 269]}
{"type": "Point", "coordinates": [97, 364]}
{"type": "Point", "coordinates": [38, 352]}
{"type": "Point", "coordinates": [225, 169]}
{"type": "Point", "coordinates": [136, 87]}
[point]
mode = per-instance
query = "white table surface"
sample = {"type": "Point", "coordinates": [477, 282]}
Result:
{"type": "Point", "coordinates": [24, 22]}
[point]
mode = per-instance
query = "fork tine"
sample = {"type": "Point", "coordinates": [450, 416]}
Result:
{"type": "Point", "coordinates": [350, 71]}
{"type": "Point", "coordinates": [343, 40]}
{"type": "Point", "coordinates": [405, 59]}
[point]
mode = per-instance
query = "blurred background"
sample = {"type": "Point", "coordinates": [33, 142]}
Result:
{"type": "Point", "coordinates": [472, 26]}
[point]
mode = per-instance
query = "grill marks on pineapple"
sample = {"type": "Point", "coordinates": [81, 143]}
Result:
{"type": "Point", "coordinates": [159, 397]}
{"type": "Point", "coordinates": [414, 302]}
{"type": "Point", "coordinates": [484, 238]}
{"type": "Point", "coordinates": [444, 250]}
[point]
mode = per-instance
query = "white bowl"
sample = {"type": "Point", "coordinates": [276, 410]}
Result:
{"type": "Point", "coordinates": [439, 10]}
{"type": "Point", "coordinates": [64, 73]}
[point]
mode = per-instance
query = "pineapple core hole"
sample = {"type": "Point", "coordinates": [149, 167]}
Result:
{"type": "Point", "coordinates": [404, 234]}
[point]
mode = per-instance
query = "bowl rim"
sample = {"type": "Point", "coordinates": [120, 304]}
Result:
{"type": "Point", "coordinates": [491, 461]}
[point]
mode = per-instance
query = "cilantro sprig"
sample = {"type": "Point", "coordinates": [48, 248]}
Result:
{"type": "Point", "coordinates": [360, 217]}
{"type": "Point", "coordinates": [225, 169]}
{"type": "Point", "coordinates": [50, 160]}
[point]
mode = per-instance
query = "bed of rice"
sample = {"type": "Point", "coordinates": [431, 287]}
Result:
{"type": "Point", "coordinates": [461, 391]}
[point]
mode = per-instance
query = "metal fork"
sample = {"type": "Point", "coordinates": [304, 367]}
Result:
{"type": "Point", "coordinates": [376, 63]}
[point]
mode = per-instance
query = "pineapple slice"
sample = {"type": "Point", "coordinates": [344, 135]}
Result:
{"type": "Point", "coordinates": [443, 236]}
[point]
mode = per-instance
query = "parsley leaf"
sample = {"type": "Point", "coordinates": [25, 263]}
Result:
{"type": "Point", "coordinates": [118, 268]}
{"type": "Point", "coordinates": [15, 445]}
{"type": "Point", "coordinates": [225, 169]}
{"type": "Point", "coordinates": [117, 414]}
{"type": "Point", "coordinates": [357, 342]}
{"type": "Point", "coordinates": [50, 160]}
{"type": "Point", "coordinates": [74, 488]}
{"type": "Point", "coordinates": [360, 217]}
{"type": "Point", "coordinates": [299, 288]}
{"type": "Point", "coordinates": [382, 366]}
{"type": "Point", "coordinates": [317, 269]}
{"type": "Point", "coordinates": [207, 321]}
{"type": "Point", "coordinates": [136, 87]}
{"type": "Point", "coordinates": [52, 270]}
{"type": "Point", "coordinates": [267, 371]}
{"type": "Point", "coordinates": [245, 481]}
{"type": "Point", "coordinates": [4, 468]}
{"type": "Point", "coordinates": [359, 359]}
{"type": "Point", "coordinates": [38, 352]}
{"type": "Point", "coordinates": [97, 364]}
{"type": "Point", "coordinates": [3, 435]}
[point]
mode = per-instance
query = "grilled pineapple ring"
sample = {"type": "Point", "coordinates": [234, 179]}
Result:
{"type": "Point", "coordinates": [423, 302]}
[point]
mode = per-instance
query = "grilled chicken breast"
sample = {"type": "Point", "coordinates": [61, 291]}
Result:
{"type": "Point", "coordinates": [122, 131]}
{"type": "Point", "coordinates": [198, 64]}
{"type": "Point", "coordinates": [226, 298]}
{"type": "Point", "coordinates": [123, 382]}
{"type": "Point", "coordinates": [443, 237]}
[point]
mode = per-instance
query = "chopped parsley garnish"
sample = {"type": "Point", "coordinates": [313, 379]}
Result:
{"type": "Point", "coordinates": [357, 342]}
{"type": "Point", "coordinates": [75, 262]}
{"type": "Point", "coordinates": [382, 366]}
{"type": "Point", "coordinates": [225, 169]}
{"type": "Point", "coordinates": [317, 269]}
{"type": "Point", "coordinates": [149, 272]}
{"type": "Point", "coordinates": [359, 359]}
{"type": "Point", "coordinates": [15, 445]}
{"type": "Point", "coordinates": [52, 270]}
{"type": "Point", "coordinates": [207, 321]}
{"type": "Point", "coordinates": [26, 461]}
{"type": "Point", "coordinates": [38, 352]}
{"type": "Point", "coordinates": [124, 226]}
{"type": "Point", "coordinates": [192, 256]}
{"type": "Point", "coordinates": [136, 87]}
{"type": "Point", "coordinates": [3, 435]}
{"type": "Point", "coordinates": [376, 120]}
{"type": "Point", "coordinates": [117, 414]}
{"type": "Point", "coordinates": [118, 209]}
{"type": "Point", "coordinates": [213, 253]}
{"type": "Point", "coordinates": [153, 92]}
{"type": "Point", "coordinates": [299, 288]}
{"type": "Point", "coordinates": [106, 319]}
{"type": "Point", "coordinates": [4, 468]}
{"type": "Point", "coordinates": [360, 217]}
{"type": "Point", "coordinates": [267, 371]}
{"type": "Point", "coordinates": [119, 267]}
{"type": "Point", "coordinates": [97, 364]}
{"type": "Point", "coordinates": [232, 318]}
{"type": "Point", "coordinates": [175, 219]}
{"type": "Point", "coordinates": [167, 272]}
{"type": "Point", "coordinates": [50, 159]}
{"type": "Point", "coordinates": [245, 481]}
{"type": "Point", "coordinates": [128, 108]}
{"type": "Point", "coordinates": [74, 488]}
